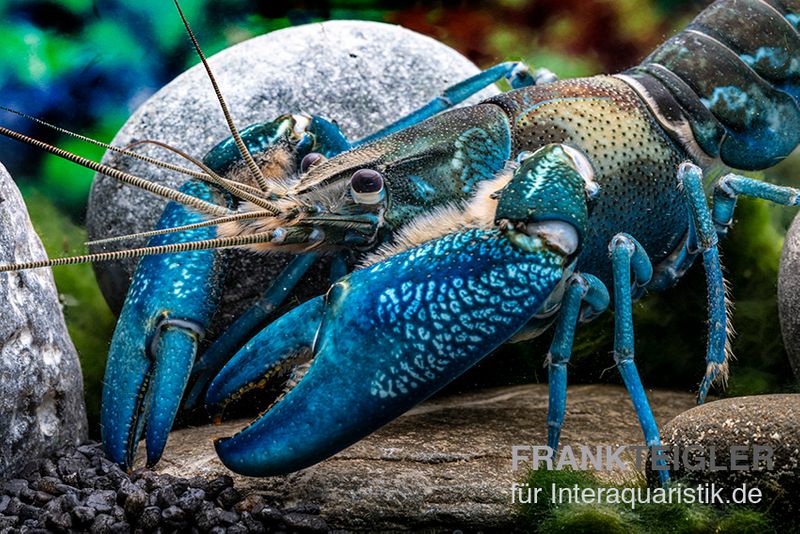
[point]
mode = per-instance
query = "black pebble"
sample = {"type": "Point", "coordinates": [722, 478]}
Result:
{"type": "Point", "coordinates": [60, 522]}
{"type": "Point", "coordinates": [80, 490]}
{"type": "Point", "coordinates": [69, 501]}
{"type": "Point", "coordinates": [47, 468]}
{"type": "Point", "coordinates": [191, 499]}
{"type": "Point", "coordinates": [173, 516]}
{"type": "Point", "coordinates": [252, 524]}
{"type": "Point", "coordinates": [166, 497]}
{"type": "Point", "coordinates": [8, 521]}
{"type": "Point", "coordinates": [228, 497]}
{"type": "Point", "coordinates": [269, 516]}
{"type": "Point", "coordinates": [102, 524]}
{"type": "Point", "coordinates": [83, 514]}
{"type": "Point", "coordinates": [15, 486]}
{"type": "Point", "coordinates": [218, 484]}
{"type": "Point", "coordinates": [150, 518]}
{"type": "Point", "coordinates": [102, 501]}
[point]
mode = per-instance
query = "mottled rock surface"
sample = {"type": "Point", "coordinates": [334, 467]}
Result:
{"type": "Point", "coordinates": [789, 295]}
{"type": "Point", "coordinates": [363, 75]}
{"type": "Point", "coordinates": [41, 388]}
{"type": "Point", "coordinates": [761, 420]}
{"type": "Point", "coordinates": [445, 464]}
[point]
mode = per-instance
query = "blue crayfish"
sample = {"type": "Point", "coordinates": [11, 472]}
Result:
{"type": "Point", "coordinates": [471, 227]}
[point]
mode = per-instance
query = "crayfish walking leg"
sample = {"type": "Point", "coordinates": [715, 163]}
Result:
{"type": "Point", "coordinates": [516, 73]}
{"type": "Point", "coordinates": [705, 228]}
{"type": "Point", "coordinates": [585, 298]}
{"type": "Point", "coordinates": [703, 239]}
{"type": "Point", "coordinates": [628, 256]}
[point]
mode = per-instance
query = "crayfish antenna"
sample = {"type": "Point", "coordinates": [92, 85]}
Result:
{"type": "Point", "coordinates": [107, 146]}
{"type": "Point", "coordinates": [212, 177]}
{"type": "Point", "coordinates": [121, 176]}
{"type": "Point", "coordinates": [241, 191]}
{"type": "Point", "coordinates": [183, 228]}
{"type": "Point", "coordinates": [189, 246]}
{"type": "Point", "coordinates": [248, 158]}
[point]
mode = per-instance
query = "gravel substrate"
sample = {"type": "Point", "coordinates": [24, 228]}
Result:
{"type": "Point", "coordinates": [80, 490]}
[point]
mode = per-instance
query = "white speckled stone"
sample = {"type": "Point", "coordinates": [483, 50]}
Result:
{"type": "Point", "coordinates": [41, 388]}
{"type": "Point", "coordinates": [363, 75]}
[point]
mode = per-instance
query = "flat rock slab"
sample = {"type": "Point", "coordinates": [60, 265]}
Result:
{"type": "Point", "coordinates": [447, 463]}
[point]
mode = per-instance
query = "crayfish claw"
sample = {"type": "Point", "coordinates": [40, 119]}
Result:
{"type": "Point", "coordinates": [153, 348]}
{"type": "Point", "coordinates": [372, 358]}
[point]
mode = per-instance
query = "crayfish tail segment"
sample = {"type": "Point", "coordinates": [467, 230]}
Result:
{"type": "Point", "coordinates": [742, 107]}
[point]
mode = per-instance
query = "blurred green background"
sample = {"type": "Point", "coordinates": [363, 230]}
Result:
{"type": "Point", "coordinates": [87, 64]}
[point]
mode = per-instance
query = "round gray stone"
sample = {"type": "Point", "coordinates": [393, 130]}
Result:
{"type": "Point", "coordinates": [363, 75]}
{"type": "Point", "coordinates": [762, 420]}
{"type": "Point", "coordinates": [789, 295]}
{"type": "Point", "coordinates": [41, 388]}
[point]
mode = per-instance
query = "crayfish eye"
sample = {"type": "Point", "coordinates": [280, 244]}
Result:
{"type": "Point", "coordinates": [309, 160]}
{"type": "Point", "coordinates": [366, 186]}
